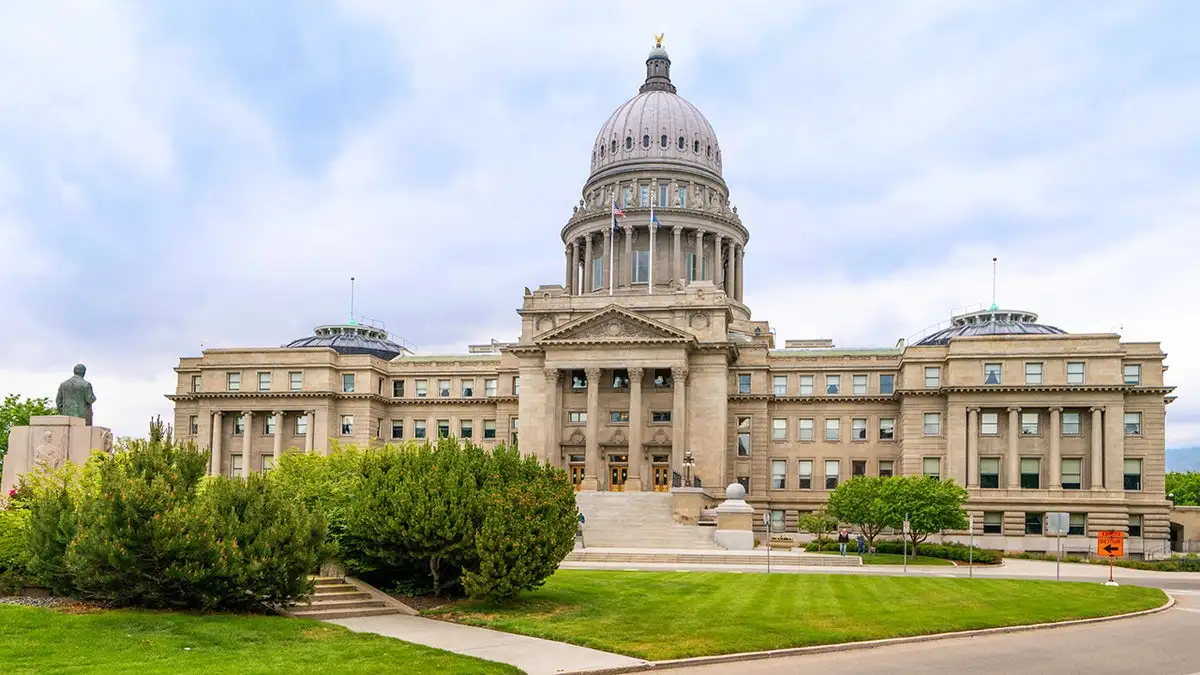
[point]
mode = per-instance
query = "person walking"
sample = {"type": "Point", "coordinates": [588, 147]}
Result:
{"type": "Point", "coordinates": [862, 543]}
{"type": "Point", "coordinates": [843, 540]}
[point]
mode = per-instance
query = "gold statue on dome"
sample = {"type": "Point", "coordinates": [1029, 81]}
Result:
{"type": "Point", "coordinates": [658, 38]}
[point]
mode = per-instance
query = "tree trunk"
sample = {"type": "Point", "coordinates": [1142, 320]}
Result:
{"type": "Point", "coordinates": [433, 572]}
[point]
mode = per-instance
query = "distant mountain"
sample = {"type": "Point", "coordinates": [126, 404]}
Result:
{"type": "Point", "coordinates": [1183, 459]}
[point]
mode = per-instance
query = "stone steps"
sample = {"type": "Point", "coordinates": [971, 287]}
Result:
{"type": "Point", "coordinates": [335, 598]}
{"type": "Point", "coordinates": [637, 520]}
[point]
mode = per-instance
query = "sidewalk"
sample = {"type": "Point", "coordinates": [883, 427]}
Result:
{"type": "Point", "coordinates": [532, 655]}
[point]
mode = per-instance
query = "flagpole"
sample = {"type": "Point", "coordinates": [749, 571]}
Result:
{"type": "Point", "coordinates": [612, 247]}
{"type": "Point", "coordinates": [652, 228]}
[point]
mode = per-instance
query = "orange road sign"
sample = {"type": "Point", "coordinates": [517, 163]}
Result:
{"type": "Point", "coordinates": [1110, 544]}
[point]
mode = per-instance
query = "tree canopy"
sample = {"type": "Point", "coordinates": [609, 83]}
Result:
{"type": "Point", "coordinates": [1185, 485]}
{"type": "Point", "coordinates": [859, 502]}
{"type": "Point", "coordinates": [931, 505]}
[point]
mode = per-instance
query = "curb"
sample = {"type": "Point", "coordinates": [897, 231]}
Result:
{"type": "Point", "coordinates": [866, 644]}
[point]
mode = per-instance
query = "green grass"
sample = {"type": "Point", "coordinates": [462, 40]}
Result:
{"type": "Point", "coordinates": [894, 559]}
{"type": "Point", "coordinates": [49, 641]}
{"type": "Point", "coordinates": [666, 615]}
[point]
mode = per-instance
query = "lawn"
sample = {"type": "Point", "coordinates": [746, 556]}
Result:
{"type": "Point", "coordinates": [51, 641]}
{"type": "Point", "coordinates": [894, 559]}
{"type": "Point", "coordinates": [666, 615]}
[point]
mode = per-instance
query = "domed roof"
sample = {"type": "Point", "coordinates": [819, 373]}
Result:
{"type": "Point", "coordinates": [353, 338]}
{"type": "Point", "coordinates": [657, 126]}
{"type": "Point", "coordinates": [992, 321]}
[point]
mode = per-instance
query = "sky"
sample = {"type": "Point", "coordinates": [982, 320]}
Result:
{"type": "Point", "coordinates": [180, 176]}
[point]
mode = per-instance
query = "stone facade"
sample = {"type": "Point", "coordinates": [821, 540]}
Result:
{"type": "Point", "coordinates": [647, 350]}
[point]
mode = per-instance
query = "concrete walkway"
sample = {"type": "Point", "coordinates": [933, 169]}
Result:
{"type": "Point", "coordinates": [532, 655]}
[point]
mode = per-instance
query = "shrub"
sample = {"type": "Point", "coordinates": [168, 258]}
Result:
{"type": "Point", "coordinates": [14, 526]}
{"type": "Point", "coordinates": [947, 551]}
{"type": "Point", "coordinates": [52, 499]}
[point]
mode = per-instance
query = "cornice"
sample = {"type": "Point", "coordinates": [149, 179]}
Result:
{"type": "Point", "coordinates": [1027, 389]}
{"type": "Point", "coordinates": [813, 399]}
{"type": "Point", "coordinates": [340, 396]}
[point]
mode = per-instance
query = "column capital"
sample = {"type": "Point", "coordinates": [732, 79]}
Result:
{"type": "Point", "coordinates": [248, 413]}
{"type": "Point", "coordinates": [593, 374]}
{"type": "Point", "coordinates": [217, 413]}
{"type": "Point", "coordinates": [277, 413]}
{"type": "Point", "coordinates": [552, 374]}
{"type": "Point", "coordinates": [677, 229]}
{"type": "Point", "coordinates": [1056, 408]}
{"type": "Point", "coordinates": [635, 374]}
{"type": "Point", "coordinates": [1096, 408]}
{"type": "Point", "coordinates": [1014, 409]}
{"type": "Point", "coordinates": [628, 227]}
{"type": "Point", "coordinates": [973, 410]}
{"type": "Point", "coordinates": [679, 374]}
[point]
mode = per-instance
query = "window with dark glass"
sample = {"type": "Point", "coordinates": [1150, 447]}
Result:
{"type": "Point", "coordinates": [991, 373]}
{"type": "Point", "coordinates": [660, 416]}
{"type": "Point", "coordinates": [858, 467]}
{"type": "Point", "coordinates": [1031, 473]}
{"type": "Point", "coordinates": [805, 474]}
{"type": "Point", "coordinates": [618, 416]}
{"type": "Point", "coordinates": [418, 428]}
{"type": "Point", "coordinates": [1072, 473]}
{"type": "Point", "coordinates": [489, 429]}
{"type": "Point", "coordinates": [443, 428]}
{"type": "Point", "coordinates": [887, 384]}
{"type": "Point", "coordinates": [887, 429]}
{"type": "Point", "coordinates": [579, 379]}
{"type": "Point", "coordinates": [744, 383]}
{"type": "Point", "coordinates": [778, 474]}
{"type": "Point", "coordinates": [1133, 474]}
{"type": "Point", "coordinates": [833, 469]}
{"type": "Point", "coordinates": [1077, 524]}
{"type": "Point", "coordinates": [646, 141]}
{"type": "Point", "coordinates": [885, 468]}
{"type": "Point", "coordinates": [397, 388]}
{"type": "Point", "coordinates": [348, 382]}
{"type": "Point", "coordinates": [993, 522]}
{"type": "Point", "coordinates": [744, 481]}
{"type": "Point", "coordinates": [743, 436]}
{"type": "Point", "coordinates": [397, 429]}
{"type": "Point", "coordinates": [989, 472]}
{"type": "Point", "coordinates": [662, 141]}
{"type": "Point", "coordinates": [833, 384]}
{"type": "Point", "coordinates": [1135, 525]}
{"type": "Point", "coordinates": [1033, 523]}
{"type": "Point", "coordinates": [620, 379]}
{"type": "Point", "coordinates": [466, 428]}
{"type": "Point", "coordinates": [662, 378]}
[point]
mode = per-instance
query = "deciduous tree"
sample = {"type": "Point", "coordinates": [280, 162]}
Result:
{"type": "Point", "coordinates": [15, 412]}
{"type": "Point", "coordinates": [859, 502]}
{"type": "Point", "coordinates": [1185, 485]}
{"type": "Point", "coordinates": [931, 505]}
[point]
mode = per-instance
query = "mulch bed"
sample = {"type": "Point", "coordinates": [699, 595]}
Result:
{"type": "Point", "coordinates": [424, 602]}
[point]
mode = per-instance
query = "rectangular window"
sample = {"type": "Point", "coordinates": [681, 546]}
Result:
{"type": "Point", "coordinates": [780, 385]}
{"type": "Point", "coordinates": [779, 429]}
{"type": "Point", "coordinates": [1033, 523]}
{"type": "Point", "coordinates": [858, 384]}
{"type": "Point", "coordinates": [620, 378]}
{"type": "Point", "coordinates": [239, 424]}
{"type": "Point", "coordinates": [1133, 474]}
{"type": "Point", "coordinates": [577, 417]}
{"type": "Point", "coordinates": [743, 437]}
{"type": "Point", "coordinates": [512, 434]}
{"type": "Point", "coordinates": [660, 416]}
{"type": "Point", "coordinates": [805, 474]}
{"type": "Point", "coordinates": [618, 416]}
{"type": "Point", "coordinates": [269, 425]}
{"type": "Point", "coordinates": [1071, 424]}
{"type": "Point", "coordinates": [933, 377]}
{"type": "Point", "coordinates": [778, 474]}
{"type": "Point", "coordinates": [682, 192]}
{"type": "Point", "coordinates": [1133, 424]}
{"type": "Point", "coordinates": [744, 383]}
{"type": "Point", "coordinates": [993, 522]}
{"type": "Point", "coordinates": [467, 387]}
{"type": "Point", "coordinates": [233, 381]}
{"type": "Point", "coordinates": [1029, 424]}
{"type": "Point", "coordinates": [690, 265]}
{"type": "Point", "coordinates": [419, 429]}
{"type": "Point", "coordinates": [347, 425]}
{"type": "Point", "coordinates": [195, 383]}
{"type": "Point", "coordinates": [858, 467]}
{"type": "Point", "coordinates": [626, 197]}
{"type": "Point", "coordinates": [489, 386]}
{"type": "Point", "coordinates": [989, 424]}
{"type": "Point", "coordinates": [887, 429]}
{"type": "Point", "coordinates": [302, 425]}
{"type": "Point", "coordinates": [931, 467]}
{"type": "Point", "coordinates": [885, 468]}
{"type": "Point", "coordinates": [236, 468]}
{"type": "Point", "coordinates": [777, 520]}
{"type": "Point", "coordinates": [348, 382]}
{"type": "Point", "coordinates": [833, 470]}
{"type": "Point", "coordinates": [489, 429]}
{"type": "Point", "coordinates": [194, 424]}
{"type": "Point", "coordinates": [1072, 473]}
{"type": "Point", "coordinates": [264, 382]}
{"type": "Point", "coordinates": [744, 481]}
{"type": "Point", "coordinates": [1031, 473]}
{"type": "Point", "coordinates": [858, 429]}
{"type": "Point", "coordinates": [1033, 373]}
{"type": "Point", "coordinates": [1077, 524]}
{"type": "Point", "coordinates": [421, 388]}
{"type": "Point", "coordinates": [933, 424]}
{"type": "Point", "coordinates": [641, 266]}
{"type": "Point", "coordinates": [887, 384]}
{"type": "Point", "coordinates": [833, 384]}
{"type": "Point", "coordinates": [268, 463]}
{"type": "Point", "coordinates": [833, 429]}
{"type": "Point", "coordinates": [1135, 524]}
{"type": "Point", "coordinates": [295, 380]}
{"type": "Point", "coordinates": [662, 378]}
{"type": "Point", "coordinates": [444, 388]}
{"type": "Point", "coordinates": [806, 385]}
{"type": "Point", "coordinates": [662, 194]}
{"type": "Point", "coordinates": [597, 273]}
{"type": "Point", "coordinates": [397, 429]}
{"type": "Point", "coordinates": [466, 428]}
{"type": "Point", "coordinates": [397, 388]}
{"type": "Point", "coordinates": [644, 197]}
{"type": "Point", "coordinates": [1132, 374]}
{"type": "Point", "coordinates": [991, 373]}
{"type": "Point", "coordinates": [1074, 372]}
{"type": "Point", "coordinates": [579, 379]}
{"type": "Point", "coordinates": [989, 472]}
{"type": "Point", "coordinates": [443, 428]}
{"type": "Point", "coordinates": [516, 382]}
{"type": "Point", "coordinates": [806, 429]}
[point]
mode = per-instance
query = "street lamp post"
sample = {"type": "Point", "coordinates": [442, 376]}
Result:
{"type": "Point", "coordinates": [689, 463]}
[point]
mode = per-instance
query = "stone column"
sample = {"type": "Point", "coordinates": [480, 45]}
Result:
{"type": "Point", "coordinates": [553, 416]}
{"type": "Point", "coordinates": [590, 480]}
{"type": "Point", "coordinates": [972, 447]}
{"type": "Point", "coordinates": [730, 282]}
{"type": "Point", "coordinates": [679, 376]}
{"type": "Point", "coordinates": [608, 252]}
{"type": "Point", "coordinates": [567, 283]}
{"type": "Point", "coordinates": [699, 249]}
{"type": "Point", "coordinates": [278, 449]}
{"type": "Point", "coordinates": [1114, 447]}
{"type": "Point", "coordinates": [215, 461]}
{"type": "Point", "coordinates": [247, 434]}
{"type": "Point", "coordinates": [637, 468]}
{"type": "Point", "coordinates": [677, 252]}
{"type": "Point", "coordinates": [1097, 448]}
{"type": "Point", "coordinates": [628, 271]}
{"type": "Point", "coordinates": [587, 266]}
{"type": "Point", "coordinates": [1055, 448]}
{"type": "Point", "coordinates": [310, 430]}
{"type": "Point", "coordinates": [741, 273]}
{"type": "Point", "coordinates": [716, 264]}
{"type": "Point", "coordinates": [1013, 458]}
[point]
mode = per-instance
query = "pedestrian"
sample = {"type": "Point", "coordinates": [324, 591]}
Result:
{"type": "Point", "coordinates": [843, 540]}
{"type": "Point", "coordinates": [862, 543]}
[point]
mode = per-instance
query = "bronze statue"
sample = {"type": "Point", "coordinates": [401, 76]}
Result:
{"type": "Point", "coordinates": [75, 396]}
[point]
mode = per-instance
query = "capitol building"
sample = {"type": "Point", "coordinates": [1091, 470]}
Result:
{"type": "Point", "coordinates": [643, 370]}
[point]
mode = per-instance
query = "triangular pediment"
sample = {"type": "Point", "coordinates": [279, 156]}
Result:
{"type": "Point", "coordinates": [614, 324]}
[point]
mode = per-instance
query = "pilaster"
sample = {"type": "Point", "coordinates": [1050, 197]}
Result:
{"type": "Point", "coordinates": [1012, 458]}
{"type": "Point", "coordinates": [1056, 448]}
{"type": "Point", "coordinates": [1097, 459]}
{"type": "Point", "coordinates": [591, 469]}
{"type": "Point", "coordinates": [277, 450]}
{"type": "Point", "coordinates": [637, 467]}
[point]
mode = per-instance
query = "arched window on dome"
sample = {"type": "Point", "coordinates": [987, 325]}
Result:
{"type": "Point", "coordinates": [682, 143]}
{"type": "Point", "coordinates": [718, 157]}
{"type": "Point", "coordinates": [629, 142]}
{"type": "Point", "coordinates": [696, 147]}
{"type": "Point", "coordinates": [646, 141]}
{"type": "Point", "coordinates": [614, 146]}
{"type": "Point", "coordinates": [708, 151]}
{"type": "Point", "coordinates": [662, 141]}
{"type": "Point", "coordinates": [593, 155]}
{"type": "Point", "coordinates": [601, 151]}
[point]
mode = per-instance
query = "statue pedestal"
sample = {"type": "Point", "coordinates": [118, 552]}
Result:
{"type": "Point", "coordinates": [51, 440]}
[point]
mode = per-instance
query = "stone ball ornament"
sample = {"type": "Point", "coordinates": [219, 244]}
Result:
{"type": "Point", "coordinates": [735, 491]}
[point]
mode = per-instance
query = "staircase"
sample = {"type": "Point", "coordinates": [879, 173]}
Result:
{"type": "Point", "coordinates": [637, 520]}
{"type": "Point", "coordinates": [335, 598]}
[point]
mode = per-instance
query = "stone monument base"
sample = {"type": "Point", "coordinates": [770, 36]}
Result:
{"type": "Point", "coordinates": [50, 440]}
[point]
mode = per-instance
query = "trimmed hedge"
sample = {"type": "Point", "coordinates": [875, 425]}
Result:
{"type": "Point", "coordinates": [1187, 563]}
{"type": "Point", "coordinates": [946, 551]}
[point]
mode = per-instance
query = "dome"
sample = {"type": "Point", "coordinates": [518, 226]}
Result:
{"type": "Point", "coordinates": [353, 338]}
{"type": "Point", "coordinates": [657, 126]}
{"type": "Point", "coordinates": [992, 321]}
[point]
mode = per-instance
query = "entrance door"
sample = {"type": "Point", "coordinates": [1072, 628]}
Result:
{"type": "Point", "coordinates": [577, 476]}
{"type": "Point", "coordinates": [618, 473]}
{"type": "Point", "coordinates": [662, 478]}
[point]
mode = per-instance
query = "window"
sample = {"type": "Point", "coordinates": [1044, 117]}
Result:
{"type": "Point", "coordinates": [627, 193]}
{"type": "Point", "coordinates": [1133, 374]}
{"type": "Point", "coordinates": [858, 467]}
{"type": "Point", "coordinates": [268, 463]}
{"type": "Point", "coordinates": [512, 434]}
{"type": "Point", "coordinates": [682, 196]}
{"type": "Point", "coordinates": [696, 146]}
{"type": "Point", "coordinates": [379, 426]}
{"type": "Point", "coordinates": [806, 385]}
{"type": "Point", "coordinates": [777, 520]}
{"type": "Point", "coordinates": [682, 143]}
{"type": "Point", "coordinates": [1031, 473]}
{"type": "Point", "coordinates": [1072, 473]}
{"type": "Point", "coordinates": [989, 424]}
{"type": "Point", "coordinates": [194, 424]}
{"type": "Point", "coordinates": [858, 385]}
{"type": "Point", "coordinates": [233, 381]}
{"type": "Point", "coordinates": [662, 378]}
{"type": "Point", "coordinates": [1135, 524]}
{"type": "Point", "coordinates": [993, 522]}
{"type": "Point", "coordinates": [239, 424]}
{"type": "Point", "coordinates": [833, 384]}
{"type": "Point", "coordinates": [662, 194]}
{"type": "Point", "coordinates": [628, 145]}
{"type": "Point", "coordinates": [444, 388]}
{"type": "Point", "coordinates": [579, 379]}
{"type": "Point", "coordinates": [235, 466]}
{"type": "Point", "coordinates": [1033, 373]}
{"type": "Point", "coordinates": [1074, 372]}
{"type": "Point", "coordinates": [618, 416]}
{"type": "Point", "coordinates": [660, 416]}
{"type": "Point", "coordinates": [195, 383]}
{"type": "Point", "coordinates": [690, 265]}
{"type": "Point", "coordinates": [933, 424]}
{"type": "Point", "coordinates": [348, 382]}
{"type": "Point", "coordinates": [1033, 523]}
{"type": "Point", "coordinates": [833, 429]}
{"type": "Point", "coordinates": [269, 425]}
{"type": "Point", "coordinates": [466, 428]}
{"type": "Point", "coordinates": [646, 141]}
{"type": "Point", "coordinates": [443, 428]}
{"type": "Point", "coordinates": [418, 428]}
{"type": "Point", "coordinates": [779, 429]}
{"type": "Point", "coordinates": [805, 475]}
{"type": "Point", "coordinates": [1070, 424]}
{"type": "Point", "coordinates": [778, 474]}
{"type": "Point", "coordinates": [347, 425]}
{"type": "Point", "coordinates": [744, 383]}
{"type": "Point", "coordinates": [885, 468]}
{"type": "Point", "coordinates": [833, 468]}
{"type": "Point", "coordinates": [645, 193]}
{"type": "Point", "coordinates": [467, 387]}
{"type": "Point", "coordinates": [989, 472]}
{"type": "Point", "coordinates": [576, 417]}
{"type": "Point", "coordinates": [397, 429]}
{"type": "Point", "coordinates": [933, 377]}
{"type": "Point", "coordinates": [858, 429]}
{"type": "Point", "coordinates": [516, 382]}
{"type": "Point", "coordinates": [887, 429]}
{"type": "Point", "coordinates": [295, 380]}
{"type": "Point", "coordinates": [489, 429]}
{"type": "Point", "coordinates": [641, 266]}
{"type": "Point", "coordinates": [302, 425]}
{"type": "Point", "coordinates": [780, 385]}
{"type": "Point", "coordinates": [806, 429]}
{"type": "Point", "coordinates": [931, 467]}
{"type": "Point", "coordinates": [597, 272]}
{"type": "Point", "coordinates": [1133, 424]}
{"type": "Point", "coordinates": [264, 382]}
{"type": "Point", "coordinates": [620, 378]}
{"type": "Point", "coordinates": [1133, 474]}
{"type": "Point", "coordinates": [1029, 424]}
{"type": "Point", "coordinates": [1077, 524]}
{"type": "Point", "coordinates": [743, 437]}
{"type": "Point", "coordinates": [421, 387]}
{"type": "Point", "coordinates": [744, 481]}
{"type": "Point", "coordinates": [887, 384]}
{"type": "Point", "coordinates": [991, 373]}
